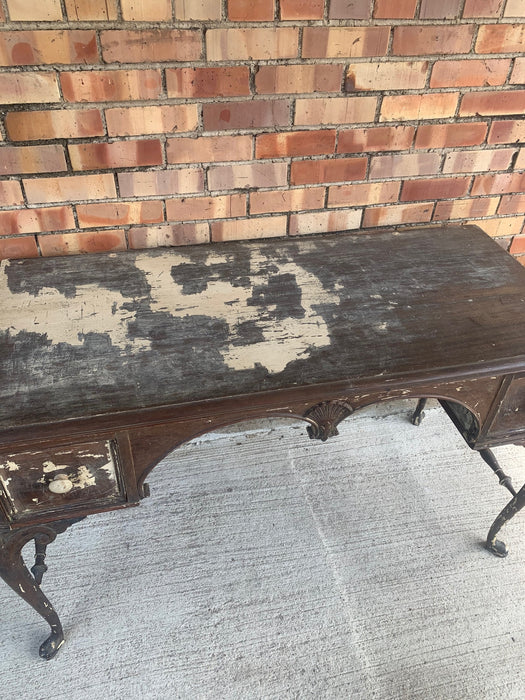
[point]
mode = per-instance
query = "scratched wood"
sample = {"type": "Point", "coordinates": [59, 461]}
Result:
{"type": "Point", "coordinates": [92, 469]}
{"type": "Point", "coordinates": [110, 332]}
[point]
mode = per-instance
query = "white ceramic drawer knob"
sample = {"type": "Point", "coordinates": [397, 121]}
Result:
{"type": "Point", "coordinates": [60, 484]}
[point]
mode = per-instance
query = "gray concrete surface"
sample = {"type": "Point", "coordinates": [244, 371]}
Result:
{"type": "Point", "coordinates": [266, 565]}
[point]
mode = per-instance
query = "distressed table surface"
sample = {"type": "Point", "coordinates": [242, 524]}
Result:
{"type": "Point", "coordinates": [109, 362]}
{"type": "Point", "coordinates": [129, 330]}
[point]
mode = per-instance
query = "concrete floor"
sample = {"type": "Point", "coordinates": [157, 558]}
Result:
{"type": "Point", "coordinates": [266, 565]}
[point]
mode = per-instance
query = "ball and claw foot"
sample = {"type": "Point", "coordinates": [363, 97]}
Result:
{"type": "Point", "coordinates": [51, 645]}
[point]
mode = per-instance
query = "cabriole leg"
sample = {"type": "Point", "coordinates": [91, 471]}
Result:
{"type": "Point", "coordinates": [15, 573]}
{"type": "Point", "coordinates": [418, 414]}
{"type": "Point", "coordinates": [494, 545]}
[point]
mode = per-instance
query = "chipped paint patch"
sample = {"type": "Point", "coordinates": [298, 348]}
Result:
{"type": "Point", "coordinates": [10, 466]}
{"type": "Point", "coordinates": [94, 309]}
{"type": "Point", "coordinates": [282, 341]}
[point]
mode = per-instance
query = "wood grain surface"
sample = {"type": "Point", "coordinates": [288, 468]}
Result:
{"type": "Point", "coordinates": [138, 329]}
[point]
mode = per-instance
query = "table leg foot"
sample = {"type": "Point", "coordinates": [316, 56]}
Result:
{"type": "Point", "coordinates": [418, 414]}
{"type": "Point", "coordinates": [15, 573]}
{"type": "Point", "coordinates": [494, 545]}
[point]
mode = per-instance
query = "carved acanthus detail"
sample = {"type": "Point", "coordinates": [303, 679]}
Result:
{"type": "Point", "coordinates": [325, 417]}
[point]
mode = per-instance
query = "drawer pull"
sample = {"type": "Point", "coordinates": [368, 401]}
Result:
{"type": "Point", "coordinates": [60, 484]}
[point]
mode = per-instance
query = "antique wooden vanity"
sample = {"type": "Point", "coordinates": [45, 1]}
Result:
{"type": "Point", "coordinates": [108, 362]}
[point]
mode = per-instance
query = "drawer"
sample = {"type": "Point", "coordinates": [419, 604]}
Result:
{"type": "Point", "coordinates": [509, 419]}
{"type": "Point", "coordinates": [65, 478]}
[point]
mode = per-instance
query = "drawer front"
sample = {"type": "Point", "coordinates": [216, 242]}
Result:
{"type": "Point", "coordinates": [509, 420]}
{"type": "Point", "coordinates": [65, 479]}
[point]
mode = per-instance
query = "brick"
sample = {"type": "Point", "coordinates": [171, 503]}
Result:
{"type": "Point", "coordinates": [186, 10]}
{"type": "Point", "coordinates": [163, 236]}
{"type": "Point", "coordinates": [345, 42]}
{"type": "Point", "coordinates": [287, 200]}
{"type": "Point", "coordinates": [31, 159]}
{"type": "Point", "coordinates": [397, 75]}
{"type": "Point", "coordinates": [501, 226]}
{"type": "Point", "coordinates": [477, 160]}
{"type": "Point", "coordinates": [465, 208]}
{"type": "Point", "coordinates": [321, 221]}
{"type": "Point", "coordinates": [84, 10]}
{"type": "Point", "coordinates": [161, 182]}
{"type": "Point", "coordinates": [416, 107]}
{"type": "Point", "coordinates": [512, 204]}
{"type": "Point", "coordinates": [363, 194]}
{"type": "Point", "coordinates": [84, 242]}
{"type": "Point", "coordinates": [500, 38]}
{"type": "Point", "coordinates": [36, 220]}
{"type": "Point", "coordinates": [471, 73]}
{"type": "Point", "coordinates": [111, 86]}
{"type": "Point", "coordinates": [294, 79]}
{"type": "Point", "coordinates": [451, 135]}
{"type": "Point", "coordinates": [26, 88]}
{"type": "Point", "coordinates": [518, 245]}
{"type": "Point", "coordinates": [304, 172]}
{"type": "Point", "coordinates": [70, 188]}
{"type": "Point", "coordinates": [397, 214]}
{"type": "Point", "coordinates": [415, 40]}
{"type": "Point", "coordinates": [225, 81]}
{"type": "Point", "coordinates": [287, 144]}
{"type": "Point", "coordinates": [120, 213]}
{"type": "Point", "coordinates": [156, 119]}
{"type": "Point", "coordinates": [119, 154]}
{"type": "Point", "coordinates": [408, 165]}
{"type": "Point", "coordinates": [10, 193]}
{"type": "Point", "coordinates": [43, 10]}
{"type": "Point", "coordinates": [349, 9]}
{"type": "Point", "coordinates": [253, 43]}
{"type": "Point", "coordinates": [245, 115]}
{"type": "Point", "coordinates": [514, 8]}
{"type": "Point", "coordinates": [444, 9]}
{"type": "Point", "coordinates": [401, 9]}
{"type": "Point", "coordinates": [499, 184]}
{"type": "Point", "coordinates": [18, 247]}
{"type": "Point", "coordinates": [238, 229]}
{"type": "Point", "coordinates": [520, 162]}
{"type": "Point", "coordinates": [146, 10]}
{"type": "Point", "coordinates": [482, 8]}
{"type": "Point", "coordinates": [378, 138]}
{"type": "Point", "coordinates": [188, 208]}
{"type": "Point", "coordinates": [150, 45]}
{"type": "Point", "coordinates": [493, 103]}
{"type": "Point", "coordinates": [518, 72]}
{"type": "Point", "coordinates": [209, 149]}
{"type": "Point", "coordinates": [228, 177]}
{"type": "Point", "coordinates": [301, 9]}
{"type": "Point", "coordinates": [54, 124]}
{"type": "Point", "coordinates": [437, 188]}
{"type": "Point", "coordinates": [249, 11]}
{"type": "Point", "coordinates": [25, 48]}
{"type": "Point", "coordinates": [335, 110]}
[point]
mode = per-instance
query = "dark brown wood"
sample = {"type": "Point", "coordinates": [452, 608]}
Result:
{"type": "Point", "coordinates": [107, 367]}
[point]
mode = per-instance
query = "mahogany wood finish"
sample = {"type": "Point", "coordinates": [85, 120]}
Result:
{"type": "Point", "coordinates": [106, 367]}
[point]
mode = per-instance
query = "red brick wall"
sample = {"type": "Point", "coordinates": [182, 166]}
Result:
{"type": "Point", "coordinates": [134, 123]}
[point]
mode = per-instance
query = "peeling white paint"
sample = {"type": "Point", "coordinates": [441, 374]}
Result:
{"type": "Point", "coordinates": [93, 309]}
{"type": "Point", "coordinates": [284, 340]}
{"type": "Point", "coordinates": [83, 478]}
{"type": "Point", "coordinates": [49, 466]}
{"type": "Point", "coordinates": [10, 466]}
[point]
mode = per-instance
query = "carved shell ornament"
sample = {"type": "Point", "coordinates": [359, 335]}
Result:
{"type": "Point", "coordinates": [325, 417]}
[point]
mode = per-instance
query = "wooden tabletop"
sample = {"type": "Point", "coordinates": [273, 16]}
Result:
{"type": "Point", "coordinates": [81, 336]}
